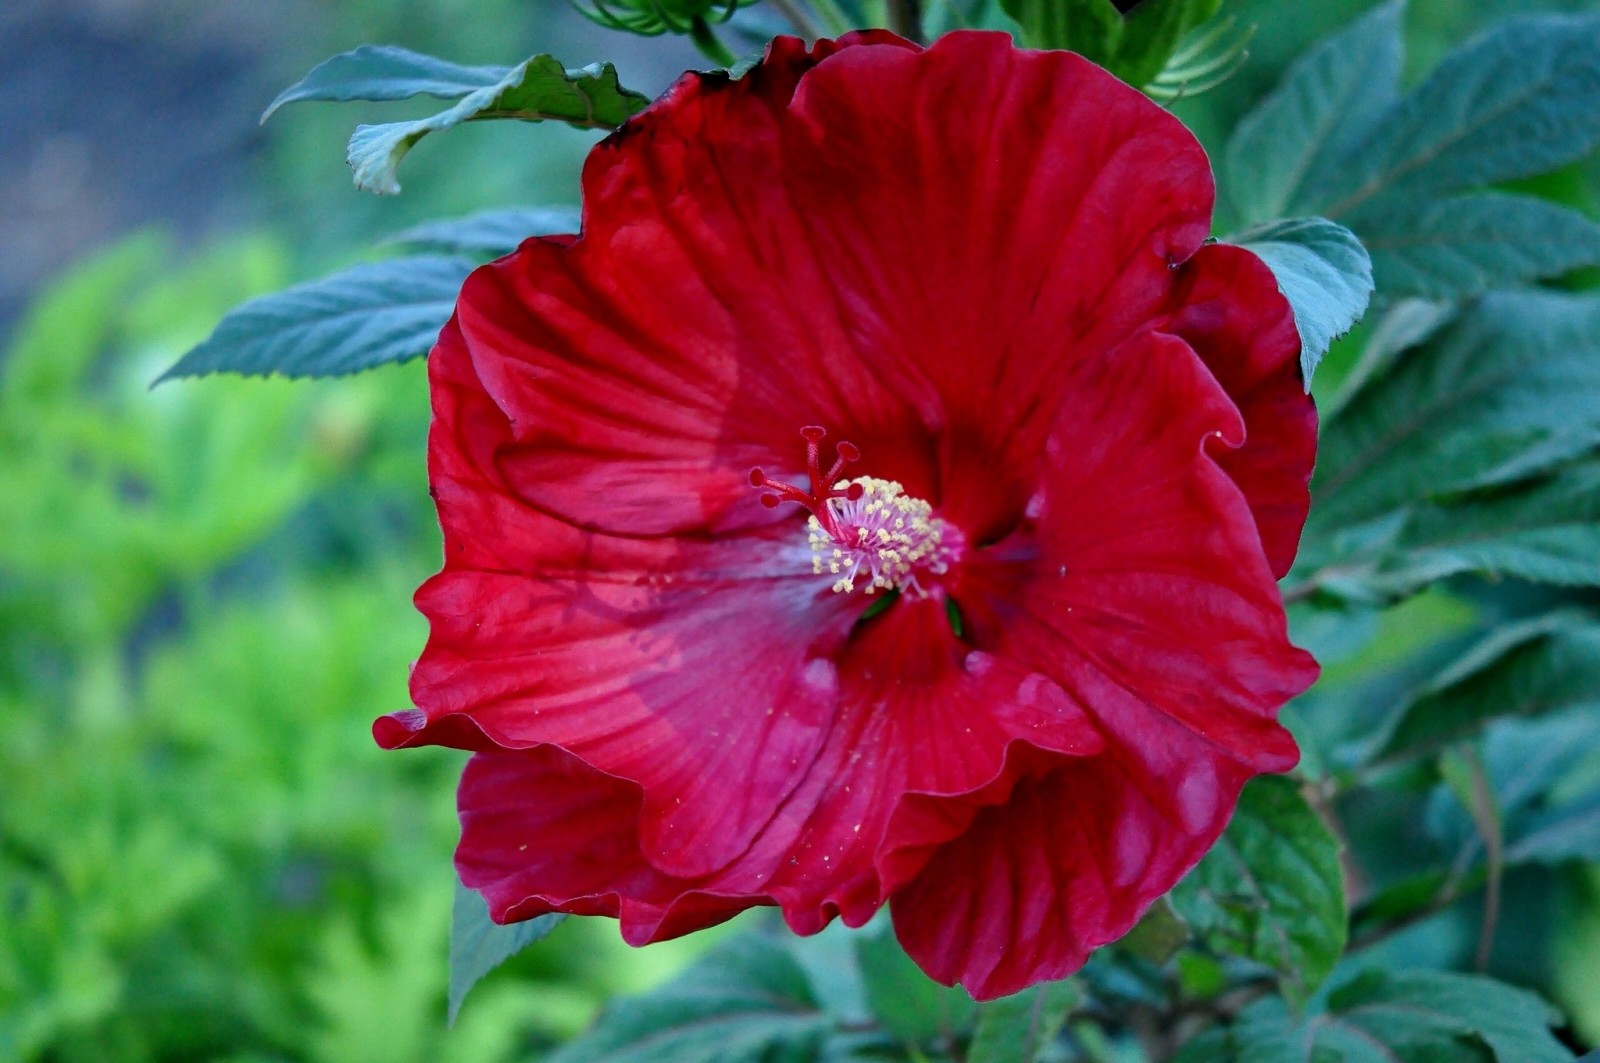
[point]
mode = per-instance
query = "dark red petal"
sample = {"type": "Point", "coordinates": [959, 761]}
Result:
{"type": "Point", "coordinates": [542, 832]}
{"type": "Point", "coordinates": [675, 664]}
{"type": "Point", "coordinates": [1151, 578]}
{"type": "Point", "coordinates": [1233, 316]}
{"type": "Point", "coordinates": [688, 335]}
{"type": "Point", "coordinates": [1069, 863]}
{"type": "Point", "coordinates": [989, 215]}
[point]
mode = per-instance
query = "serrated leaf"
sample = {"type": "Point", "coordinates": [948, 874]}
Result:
{"type": "Point", "coordinates": [536, 90]}
{"type": "Point", "coordinates": [1546, 780]}
{"type": "Point", "coordinates": [1379, 1016]}
{"type": "Point", "coordinates": [1460, 247]}
{"type": "Point", "coordinates": [355, 319]}
{"type": "Point", "coordinates": [1510, 389]}
{"type": "Point", "coordinates": [1323, 271]}
{"type": "Point", "coordinates": [490, 232]}
{"type": "Point", "coordinates": [745, 1001]}
{"type": "Point", "coordinates": [1133, 46]}
{"type": "Point", "coordinates": [1546, 530]}
{"type": "Point", "coordinates": [1532, 667]}
{"type": "Point", "coordinates": [1019, 1028]}
{"type": "Point", "coordinates": [478, 944]}
{"type": "Point", "coordinates": [1272, 889]}
{"type": "Point", "coordinates": [1517, 101]}
{"type": "Point", "coordinates": [905, 1001]}
{"type": "Point", "coordinates": [385, 72]}
{"type": "Point", "coordinates": [1328, 100]}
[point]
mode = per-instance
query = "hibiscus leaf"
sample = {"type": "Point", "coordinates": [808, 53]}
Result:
{"type": "Point", "coordinates": [493, 232]}
{"type": "Point", "coordinates": [1517, 101]}
{"type": "Point", "coordinates": [1328, 99]}
{"type": "Point", "coordinates": [355, 319]}
{"type": "Point", "coordinates": [1510, 389]}
{"type": "Point", "coordinates": [1021, 1027]}
{"type": "Point", "coordinates": [905, 1001]}
{"type": "Point", "coordinates": [478, 944]}
{"type": "Point", "coordinates": [1134, 46]}
{"type": "Point", "coordinates": [535, 90]}
{"type": "Point", "coordinates": [1323, 271]}
{"type": "Point", "coordinates": [1546, 530]}
{"type": "Point", "coordinates": [1460, 247]}
{"type": "Point", "coordinates": [745, 1000]}
{"type": "Point", "coordinates": [1272, 889]}
{"type": "Point", "coordinates": [385, 72]}
{"type": "Point", "coordinates": [1378, 1016]}
{"type": "Point", "coordinates": [1534, 667]}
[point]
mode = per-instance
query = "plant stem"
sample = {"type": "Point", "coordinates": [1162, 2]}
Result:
{"type": "Point", "coordinates": [905, 18]}
{"type": "Point", "coordinates": [710, 47]}
{"type": "Point", "coordinates": [799, 18]}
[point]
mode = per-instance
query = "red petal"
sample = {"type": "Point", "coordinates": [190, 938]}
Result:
{"type": "Point", "coordinates": [989, 215]}
{"type": "Point", "coordinates": [1234, 317]}
{"type": "Point", "coordinates": [1069, 863]}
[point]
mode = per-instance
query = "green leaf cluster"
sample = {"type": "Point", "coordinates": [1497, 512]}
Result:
{"type": "Point", "coordinates": [537, 89]}
{"type": "Point", "coordinates": [1133, 44]}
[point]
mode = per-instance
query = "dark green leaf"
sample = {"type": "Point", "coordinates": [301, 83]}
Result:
{"type": "Point", "coordinates": [478, 944]}
{"type": "Point", "coordinates": [905, 1001]}
{"type": "Point", "coordinates": [1272, 890]}
{"type": "Point", "coordinates": [367, 315]}
{"type": "Point", "coordinates": [538, 89]}
{"type": "Point", "coordinates": [1531, 668]}
{"type": "Point", "coordinates": [1328, 100]}
{"type": "Point", "coordinates": [745, 1001]}
{"type": "Point", "coordinates": [1158, 935]}
{"type": "Point", "coordinates": [1544, 777]}
{"type": "Point", "coordinates": [1517, 101]}
{"type": "Point", "coordinates": [1547, 531]}
{"type": "Point", "coordinates": [1323, 271]}
{"type": "Point", "coordinates": [1018, 1028]}
{"type": "Point", "coordinates": [384, 72]}
{"type": "Point", "coordinates": [1381, 1016]}
{"type": "Point", "coordinates": [490, 232]}
{"type": "Point", "coordinates": [1134, 46]}
{"type": "Point", "coordinates": [1461, 247]}
{"type": "Point", "coordinates": [1509, 390]}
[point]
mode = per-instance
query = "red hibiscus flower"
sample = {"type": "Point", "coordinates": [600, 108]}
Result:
{"type": "Point", "coordinates": [999, 647]}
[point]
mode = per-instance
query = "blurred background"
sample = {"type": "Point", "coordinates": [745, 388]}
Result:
{"type": "Point", "coordinates": [205, 588]}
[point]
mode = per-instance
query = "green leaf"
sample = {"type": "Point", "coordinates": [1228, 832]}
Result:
{"type": "Point", "coordinates": [905, 1001]}
{"type": "Point", "coordinates": [1323, 271]}
{"type": "Point", "coordinates": [1517, 101]}
{"type": "Point", "coordinates": [1461, 247]}
{"type": "Point", "coordinates": [1547, 531]}
{"type": "Point", "coordinates": [1546, 780]}
{"type": "Point", "coordinates": [361, 317]}
{"type": "Point", "coordinates": [385, 72]}
{"type": "Point", "coordinates": [1272, 889]}
{"type": "Point", "coordinates": [1379, 1016]}
{"type": "Point", "coordinates": [538, 89]}
{"type": "Point", "coordinates": [490, 232]}
{"type": "Point", "coordinates": [1533, 667]}
{"type": "Point", "coordinates": [478, 944]}
{"type": "Point", "coordinates": [1018, 1028]}
{"type": "Point", "coordinates": [1134, 46]}
{"type": "Point", "coordinates": [1509, 390]}
{"type": "Point", "coordinates": [1158, 935]}
{"type": "Point", "coordinates": [745, 1000]}
{"type": "Point", "coordinates": [1328, 100]}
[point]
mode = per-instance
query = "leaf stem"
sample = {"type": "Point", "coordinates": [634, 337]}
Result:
{"type": "Point", "coordinates": [837, 21]}
{"type": "Point", "coordinates": [713, 49]}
